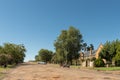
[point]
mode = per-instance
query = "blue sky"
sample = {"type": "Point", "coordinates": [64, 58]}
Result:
{"type": "Point", "coordinates": [37, 23]}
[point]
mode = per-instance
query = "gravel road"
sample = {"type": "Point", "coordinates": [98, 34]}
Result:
{"type": "Point", "coordinates": [30, 71]}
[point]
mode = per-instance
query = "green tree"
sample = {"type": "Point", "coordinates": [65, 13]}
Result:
{"type": "Point", "coordinates": [99, 63]}
{"type": "Point", "coordinates": [4, 58]}
{"type": "Point", "coordinates": [74, 43]}
{"type": "Point", "coordinates": [68, 44]}
{"type": "Point", "coordinates": [105, 53]}
{"type": "Point", "coordinates": [54, 58]}
{"type": "Point", "coordinates": [117, 56]}
{"type": "Point", "coordinates": [111, 51]}
{"type": "Point", "coordinates": [90, 47]}
{"type": "Point", "coordinates": [45, 55]}
{"type": "Point", "coordinates": [17, 52]}
{"type": "Point", "coordinates": [61, 47]}
{"type": "Point", "coordinates": [12, 53]}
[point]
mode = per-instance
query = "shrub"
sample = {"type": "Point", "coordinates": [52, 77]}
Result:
{"type": "Point", "coordinates": [99, 63]}
{"type": "Point", "coordinates": [117, 63]}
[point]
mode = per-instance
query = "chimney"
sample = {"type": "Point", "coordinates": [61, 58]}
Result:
{"type": "Point", "coordinates": [90, 51]}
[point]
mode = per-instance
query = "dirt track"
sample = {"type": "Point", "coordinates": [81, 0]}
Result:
{"type": "Point", "coordinates": [30, 71]}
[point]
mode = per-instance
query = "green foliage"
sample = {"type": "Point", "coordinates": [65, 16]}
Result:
{"type": "Point", "coordinates": [111, 51]}
{"type": "Point", "coordinates": [117, 62]}
{"type": "Point", "coordinates": [44, 55]}
{"type": "Point", "coordinates": [4, 58]}
{"type": "Point", "coordinates": [12, 53]}
{"type": "Point", "coordinates": [87, 48]}
{"type": "Point", "coordinates": [54, 58]}
{"type": "Point", "coordinates": [60, 55]}
{"type": "Point", "coordinates": [68, 44]}
{"type": "Point", "coordinates": [84, 47]}
{"type": "Point", "coordinates": [105, 53]}
{"type": "Point", "coordinates": [99, 63]}
{"type": "Point", "coordinates": [108, 68]}
{"type": "Point", "coordinates": [90, 47]}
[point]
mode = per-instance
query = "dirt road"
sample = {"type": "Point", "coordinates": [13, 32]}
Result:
{"type": "Point", "coordinates": [30, 71]}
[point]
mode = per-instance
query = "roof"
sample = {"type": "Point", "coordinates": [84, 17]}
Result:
{"type": "Point", "coordinates": [87, 53]}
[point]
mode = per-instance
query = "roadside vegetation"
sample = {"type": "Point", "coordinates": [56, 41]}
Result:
{"type": "Point", "coordinates": [11, 54]}
{"type": "Point", "coordinates": [44, 55]}
{"type": "Point", "coordinates": [70, 43]}
{"type": "Point", "coordinates": [111, 53]}
{"type": "Point", "coordinates": [107, 69]}
{"type": "Point", "coordinates": [67, 48]}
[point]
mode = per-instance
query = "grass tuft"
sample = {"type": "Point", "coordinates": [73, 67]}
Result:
{"type": "Point", "coordinates": [108, 69]}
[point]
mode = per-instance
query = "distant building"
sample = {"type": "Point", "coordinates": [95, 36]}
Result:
{"type": "Point", "coordinates": [91, 53]}
{"type": "Point", "coordinates": [87, 55]}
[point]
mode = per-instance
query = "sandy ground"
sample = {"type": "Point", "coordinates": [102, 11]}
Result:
{"type": "Point", "coordinates": [30, 71]}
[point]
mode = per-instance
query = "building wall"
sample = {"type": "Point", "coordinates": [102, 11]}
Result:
{"type": "Point", "coordinates": [81, 56]}
{"type": "Point", "coordinates": [98, 51]}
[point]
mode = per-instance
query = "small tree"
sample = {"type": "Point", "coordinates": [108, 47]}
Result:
{"type": "Point", "coordinates": [111, 52]}
{"type": "Point", "coordinates": [99, 63]}
{"type": "Point", "coordinates": [45, 55]}
{"type": "Point", "coordinates": [117, 63]}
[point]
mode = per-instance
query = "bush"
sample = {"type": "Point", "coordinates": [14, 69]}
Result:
{"type": "Point", "coordinates": [99, 63]}
{"type": "Point", "coordinates": [117, 63]}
